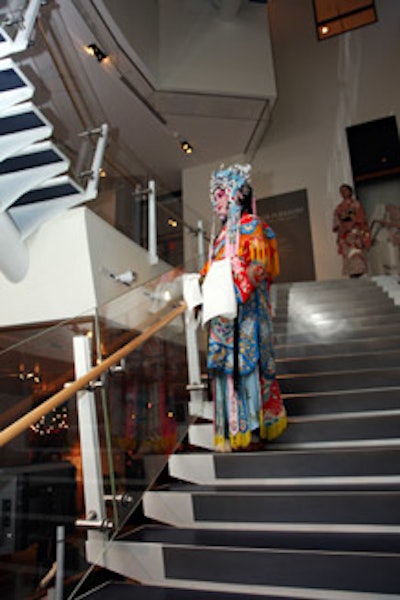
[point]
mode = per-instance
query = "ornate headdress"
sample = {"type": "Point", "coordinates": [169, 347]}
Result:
{"type": "Point", "coordinates": [231, 179]}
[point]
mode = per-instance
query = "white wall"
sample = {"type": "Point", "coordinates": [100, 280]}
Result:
{"type": "Point", "coordinates": [71, 257]}
{"type": "Point", "coordinates": [323, 87]}
{"type": "Point", "coordinates": [59, 280]}
{"type": "Point", "coordinates": [111, 251]}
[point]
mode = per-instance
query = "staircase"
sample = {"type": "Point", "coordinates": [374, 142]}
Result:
{"type": "Point", "coordinates": [315, 516]}
{"type": "Point", "coordinates": [34, 181]}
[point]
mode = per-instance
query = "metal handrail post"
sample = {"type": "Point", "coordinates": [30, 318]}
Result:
{"type": "Point", "coordinates": [152, 223]}
{"type": "Point", "coordinates": [60, 561]}
{"type": "Point", "coordinates": [93, 485]}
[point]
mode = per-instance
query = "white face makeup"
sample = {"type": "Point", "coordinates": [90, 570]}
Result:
{"type": "Point", "coordinates": [221, 203]}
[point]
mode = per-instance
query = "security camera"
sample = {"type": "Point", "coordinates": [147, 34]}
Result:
{"type": "Point", "coordinates": [127, 277]}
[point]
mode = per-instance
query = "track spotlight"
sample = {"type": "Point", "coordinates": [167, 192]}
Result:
{"type": "Point", "coordinates": [186, 147]}
{"type": "Point", "coordinates": [94, 50]}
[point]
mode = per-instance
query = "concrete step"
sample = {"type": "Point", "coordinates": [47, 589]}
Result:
{"type": "Point", "coordinates": [334, 334]}
{"type": "Point", "coordinates": [366, 468]}
{"type": "Point", "coordinates": [343, 283]}
{"type": "Point", "coordinates": [356, 362]}
{"type": "Point", "coordinates": [266, 510]}
{"type": "Point", "coordinates": [337, 430]}
{"type": "Point", "coordinates": [338, 312]}
{"type": "Point", "coordinates": [344, 347]}
{"type": "Point", "coordinates": [325, 301]}
{"type": "Point", "coordinates": [323, 431]}
{"type": "Point", "coordinates": [307, 323]}
{"type": "Point", "coordinates": [133, 591]}
{"type": "Point", "coordinates": [345, 379]}
{"type": "Point", "coordinates": [344, 401]}
{"type": "Point", "coordinates": [231, 561]}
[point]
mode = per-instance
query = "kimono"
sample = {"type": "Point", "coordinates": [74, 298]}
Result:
{"type": "Point", "coordinates": [240, 358]}
{"type": "Point", "coordinates": [353, 236]}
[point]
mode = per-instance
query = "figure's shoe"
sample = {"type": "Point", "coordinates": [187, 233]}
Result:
{"type": "Point", "coordinates": [256, 443]}
{"type": "Point", "coordinates": [254, 447]}
{"type": "Point", "coordinates": [223, 446]}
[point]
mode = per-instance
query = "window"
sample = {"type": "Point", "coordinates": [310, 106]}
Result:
{"type": "Point", "coordinates": [333, 17]}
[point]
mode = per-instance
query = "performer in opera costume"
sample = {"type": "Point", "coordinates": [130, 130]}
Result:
{"type": "Point", "coordinates": [241, 360]}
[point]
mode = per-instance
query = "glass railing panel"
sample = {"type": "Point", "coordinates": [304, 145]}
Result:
{"type": "Point", "coordinates": [35, 362]}
{"type": "Point", "coordinates": [142, 407]}
{"type": "Point", "coordinates": [146, 407]}
{"type": "Point", "coordinates": [143, 417]}
{"type": "Point", "coordinates": [130, 199]}
{"type": "Point", "coordinates": [40, 470]}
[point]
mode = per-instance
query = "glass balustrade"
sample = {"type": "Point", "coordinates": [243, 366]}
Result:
{"type": "Point", "coordinates": [39, 469]}
{"type": "Point", "coordinates": [142, 413]}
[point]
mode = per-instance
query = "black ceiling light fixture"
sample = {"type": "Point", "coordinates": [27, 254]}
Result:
{"type": "Point", "coordinates": [186, 147]}
{"type": "Point", "coordinates": [334, 18]}
{"type": "Point", "coordinates": [95, 51]}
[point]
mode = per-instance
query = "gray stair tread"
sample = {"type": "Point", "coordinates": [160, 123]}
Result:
{"type": "Point", "coordinates": [350, 508]}
{"type": "Point", "coordinates": [284, 318]}
{"type": "Point", "coordinates": [125, 591]}
{"type": "Point", "coordinates": [321, 290]}
{"type": "Point", "coordinates": [281, 313]}
{"type": "Point", "coordinates": [249, 558]}
{"type": "Point", "coordinates": [328, 283]}
{"type": "Point", "coordinates": [304, 324]}
{"type": "Point", "coordinates": [366, 360]}
{"type": "Point", "coordinates": [305, 540]}
{"type": "Point", "coordinates": [358, 428]}
{"type": "Point", "coordinates": [261, 490]}
{"type": "Point", "coordinates": [326, 348]}
{"type": "Point", "coordinates": [339, 380]}
{"type": "Point", "coordinates": [342, 401]}
{"type": "Point", "coordinates": [352, 572]}
{"type": "Point", "coordinates": [338, 335]}
{"type": "Point", "coordinates": [307, 301]}
{"type": "Point", "coordinates": [363, 462]}
{"type": "Point", "coordinates": [366, 294]}
{"type": "Point", "coordinates": [377, 508]}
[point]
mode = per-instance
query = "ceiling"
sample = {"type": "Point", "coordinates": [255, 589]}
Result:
{"type": "Point", "coordinates": [147, 123]}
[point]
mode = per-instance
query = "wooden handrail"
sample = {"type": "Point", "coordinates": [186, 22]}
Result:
{"type": "Point", "coordinates": [10, 432]}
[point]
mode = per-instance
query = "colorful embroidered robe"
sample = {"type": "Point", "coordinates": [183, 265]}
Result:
{"type": "Point", "coordinates": [246, 394]}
